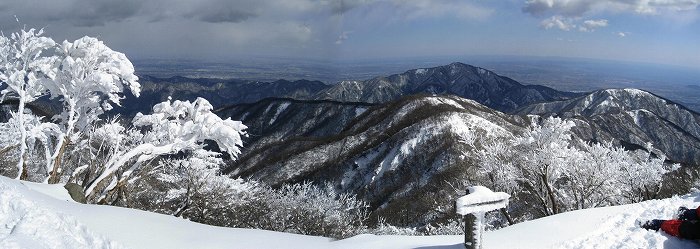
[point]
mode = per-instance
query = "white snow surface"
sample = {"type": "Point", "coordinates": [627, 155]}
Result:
{"type": "Point", "coordinates": [359, 111]}
{"type": "Point", "coordinates": [280, 109]}
{"type": "Point", "coordinates": [39, 216]}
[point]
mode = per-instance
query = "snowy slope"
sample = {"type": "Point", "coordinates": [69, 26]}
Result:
{"type": "Point", "coordinates": [40, 216]}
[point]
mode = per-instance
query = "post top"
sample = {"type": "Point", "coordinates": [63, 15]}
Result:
{"type": "Point", "coordinates": [481, 199]}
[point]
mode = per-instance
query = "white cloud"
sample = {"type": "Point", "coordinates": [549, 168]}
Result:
{"type": "Point", "coordinates": [622, 34]}
{"type": "Point", "coordinates": [592, 25]}
{"type": "Point", "coordinates": [578, 8]}
{"type": "Point", "coordinates": [574, 10]}
{"type": "Point", "coordinates": [569, 24]}
{"type": "Point", "coordinates": [558, 22]}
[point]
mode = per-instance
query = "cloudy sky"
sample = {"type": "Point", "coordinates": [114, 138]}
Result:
{"type": "Point", "coordinates": [661, 31]}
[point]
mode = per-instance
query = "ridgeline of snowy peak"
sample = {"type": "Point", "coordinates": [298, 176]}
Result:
{"type": "Point", "coordinates": [498, 92]}
{"type": "Point", "coordinates": [633, 117]}
{"type": "Point", "coordinates": [218, 92]}
{"type": "Point", "coordinates": [397, 156]}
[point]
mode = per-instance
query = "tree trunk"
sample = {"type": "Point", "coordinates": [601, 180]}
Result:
{"type": "Point", "coordinates": [507, 215]}
{"type": "Point", "coordinates": [21, 165]}
{"type": "Point", "coordinates": [55, 176]}
{"type": "Point", "coordinates": [545, 208]}
{"type": "Point", "coordinates": [550, 193]}
{"type": "Point", "coordinates": [61, 145]}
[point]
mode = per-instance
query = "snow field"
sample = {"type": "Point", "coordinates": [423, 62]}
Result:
{"type": "Point", "coordinates": [28, 224]}
{"type": "Point", "coordinates": [40, 216]}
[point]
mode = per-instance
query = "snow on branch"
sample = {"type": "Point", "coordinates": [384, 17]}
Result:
{"type": "Point", "coordinates": [173, 127]}
{"type": "Point", "coordinates": [184, 124]}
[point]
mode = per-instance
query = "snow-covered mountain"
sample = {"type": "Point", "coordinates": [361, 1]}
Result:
{"type": "Point", "coordinates": [396, 155]}
{"type": "Point", "coordinates": [280, 119]}
{"type": "Point", "coordinates": [43, 216]}
{"type": "Point", "coordinates": [40, 108]}
{"type": "Point", "coordinates": [218, 92]}
{"type": "Point", "coordinates": [633, 117]}
{"type": "Point", "coordinates": [486, 87]}
{"type": "Point", "coordinates": [481, 85]}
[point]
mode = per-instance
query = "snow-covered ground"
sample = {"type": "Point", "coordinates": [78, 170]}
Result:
{"type": "Point", "coordinates": [43, 216]}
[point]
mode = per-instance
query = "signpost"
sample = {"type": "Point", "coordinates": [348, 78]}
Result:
{"type": "Point", "coordinates": [472, 207]}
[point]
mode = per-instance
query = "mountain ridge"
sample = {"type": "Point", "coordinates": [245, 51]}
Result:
{"type": "Point", "coordinates": [467, 81]}
{"type": "Point", "coordinates": [631, 116]}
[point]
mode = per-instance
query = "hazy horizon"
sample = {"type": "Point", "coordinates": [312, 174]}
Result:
{"type": "Point", "coordinates": [659, 32]}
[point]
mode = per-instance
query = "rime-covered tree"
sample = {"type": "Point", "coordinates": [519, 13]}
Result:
{"type": "Point", "coordinates": [196, 183]}
{"type": "Point", "coordinates": [641, 173]}
{"type": "Point", "coordinates": [175, 126]}
{"type": "Point", "coordinates": [558, 173]}
{"type": "Point", "coordinates": [534, 161]}
{"type": "Point", "coordinates": [39, 133]}
{"type": "Point", "coordinates": [90, 78]}
{"type": "Point", "coordinates": [26, 64]}
{"type": "Point", "coordinates": [591, 181]}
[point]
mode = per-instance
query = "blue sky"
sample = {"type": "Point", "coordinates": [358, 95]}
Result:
{"type": "Point", "coordinates": [659, 31]}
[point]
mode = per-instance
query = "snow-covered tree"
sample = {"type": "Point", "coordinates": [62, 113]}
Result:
{"type": "Point", "coordinates": [90, 78]}
{"type": "Point", "coordinates": [496, 163]}
{"type": "Point", "coordinates": [592, 179]}
{"type": "Point", "coordinates": [38, 133]}
{"type": "Point", "coordinates": [175, 126]}
{"type": "Point", "coordinates": [195, 182]}
{"type": "Point", "coordinates": [26, 64]}
{"type": "Point", "coordinates": [556, 173]}
{"type": "Point", "coordinates": [641, 173]}
{"type": "Point", "coordinates": [534, 161]}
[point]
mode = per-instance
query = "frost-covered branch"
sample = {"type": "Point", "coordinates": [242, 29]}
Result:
{"type": "Point", "coordinates": [90, 78]}
{"type": "Point", "coordinates": [177, 126]}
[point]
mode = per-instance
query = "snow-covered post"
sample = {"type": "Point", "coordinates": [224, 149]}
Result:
{"type": "Point", "coordinates": [473, 206]}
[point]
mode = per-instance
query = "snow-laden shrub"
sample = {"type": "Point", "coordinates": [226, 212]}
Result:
{"type": "Point", "coordinates": [308, 209]}
{"type": "Point", "coordinates": [38, 142]}
{"type": "Point", "coordinates": [195, 190]}
{"type": "Point", "coordinates": [301, 208]}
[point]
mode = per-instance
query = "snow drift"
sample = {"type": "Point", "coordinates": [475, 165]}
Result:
{"type": "Point", "coordinates": [43, 216]}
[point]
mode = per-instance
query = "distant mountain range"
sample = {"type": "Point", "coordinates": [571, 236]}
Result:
{"type": "Point", "coordinates": [219, 92]}
{"type": "Point", "coordinates": [402, 152]}
{"type": "Point", "coordinates": [486, 87]}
